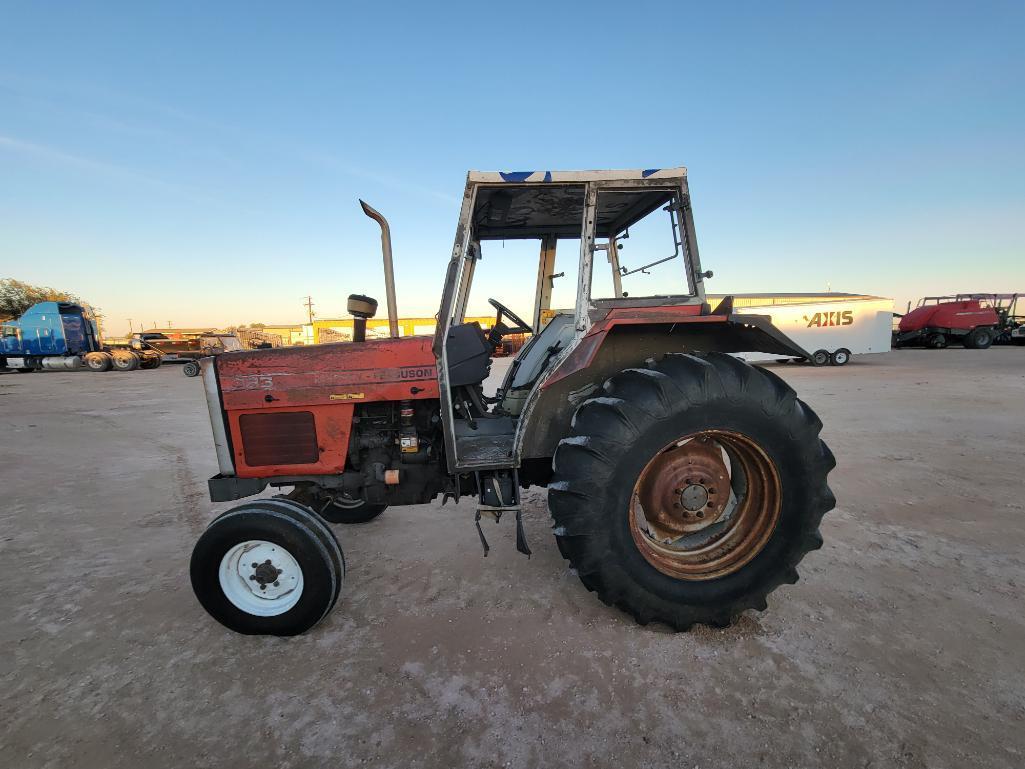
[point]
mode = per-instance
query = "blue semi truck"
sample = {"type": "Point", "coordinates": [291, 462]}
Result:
{"type": "Point", "coordinates": [64, 336]}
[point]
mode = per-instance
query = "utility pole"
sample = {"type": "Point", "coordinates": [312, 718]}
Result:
{"type": "Point", "coordinates": [169, 324]}
{"type": "Point", "coordinates": [130, 329]}
{"type": "Point", "coordinates": [309, 308]}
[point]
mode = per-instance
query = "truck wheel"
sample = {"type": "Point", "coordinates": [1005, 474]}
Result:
{"type": "Point", "coordinates": [819, 358]}
{"type": "Point", "coordinates": [840, 357]}
{"type": "Point", "coordinates": [338, 509]}
{"type": "Point", "coordinates": [191, 368]}
{"type": "Point", "coordinates": [25, 370]}
{"type": "Point", "coordinates": [125, 360]}
{"type": "Point", "coordinates": [690, 490]}
{"type": "Point", "coordinates": [979, 338]}
{"type": "Point", "coordinates": [151, 362]}
{"type": "Point", "coordinates": [937, 341]}
{"type": "Point", "coordinates": [263, 568]}
{"type": "Point", "coordinates": [98, 361]}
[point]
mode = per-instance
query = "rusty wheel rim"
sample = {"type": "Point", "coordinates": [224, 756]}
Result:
{"type": "Point", "coordinates": [705, 505]}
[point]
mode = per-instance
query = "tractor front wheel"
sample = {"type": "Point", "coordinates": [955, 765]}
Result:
{"type": "Point", "coordinates": [268, 567]}
{"type": "Point", "coordinates": [691, 489]}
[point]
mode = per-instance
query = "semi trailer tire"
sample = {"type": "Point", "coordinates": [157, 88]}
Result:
{"type": "Point", "coordinates": [191, 368]}
{"type": "Point", "coordinates": [820, 358]}
{"type": "Point", "coordinates": [652, 454]}
{"type": "Point", "coordinates": [125, 360]}
{"type": "Point", "coordinates": [151, 362]}
{"type": "Point", "coordinates": [979, 338]}
{"type": "Point", "coordinates": [337, 509]}
{"type": "Point", "coordinates": [266, 569]}
{"type": "Point", "coordinates": [840, 357]}
{"type": "Point", "coordinates": [98, 361]}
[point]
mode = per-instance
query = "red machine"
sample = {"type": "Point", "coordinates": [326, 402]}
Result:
{"type": "Point", "coordinates": [685, 484]}
{"type": "Point", "coordinates": [939, 320]}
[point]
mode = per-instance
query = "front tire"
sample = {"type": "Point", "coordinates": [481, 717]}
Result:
{"type": "Point", "coordinates": [267, 568]}
{"type": "Point", "coordinates": [645, 513]}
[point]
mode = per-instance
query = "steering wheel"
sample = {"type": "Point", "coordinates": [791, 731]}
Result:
{"type": "Point", "coordinates": [500, 329]}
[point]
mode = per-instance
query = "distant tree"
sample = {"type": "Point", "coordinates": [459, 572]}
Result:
{"type": "Point", "coordinates": [16, 296]}
{"type": "Point", "coordinates": [257, 325]}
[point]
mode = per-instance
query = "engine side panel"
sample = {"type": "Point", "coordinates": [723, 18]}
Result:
{"type": "Point", "coordinates": [323, 382]}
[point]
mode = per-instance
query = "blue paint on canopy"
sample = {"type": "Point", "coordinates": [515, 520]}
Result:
{"type": "Point", "coordinates": [649, 171]}
{"type": "Point", "coordinates": [516, 176]}
{"type": "Point", "coordinates": [548, 176]}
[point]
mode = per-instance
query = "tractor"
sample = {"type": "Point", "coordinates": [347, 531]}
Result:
{"type": "Point", "coordinates": [684, 484]}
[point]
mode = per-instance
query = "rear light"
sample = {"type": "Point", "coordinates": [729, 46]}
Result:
{"type": "Point", "coordinates": [282, 438]}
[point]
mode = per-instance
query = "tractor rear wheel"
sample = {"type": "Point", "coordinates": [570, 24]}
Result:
{"type": "Point", "coordinates": [690, 490]}
{"type": "Point", "coordinates": [337, 508]}
{"type": "Point", "coordinates": [267, 568]}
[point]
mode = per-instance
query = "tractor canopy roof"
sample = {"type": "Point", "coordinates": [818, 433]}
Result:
{"type": "Point", "coordinates": [534, 204]}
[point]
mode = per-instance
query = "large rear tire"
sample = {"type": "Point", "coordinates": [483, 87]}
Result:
{"type": "Point", "coordinates": [690, 490]}
{"type": "Point", "coordinates": [267, 568]}
{"type": "Point", "coordinates": [338, 508]}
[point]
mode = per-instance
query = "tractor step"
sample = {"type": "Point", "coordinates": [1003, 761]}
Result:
{"type": "Point", "coordinates": [499, 493]}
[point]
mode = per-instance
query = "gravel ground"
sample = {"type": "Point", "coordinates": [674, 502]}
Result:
{"type": "Point", "coordinates": [903, 645]}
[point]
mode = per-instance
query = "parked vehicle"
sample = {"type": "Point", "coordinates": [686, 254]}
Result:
{"type": "Point", "coordinates": [831, 328]}
{"type": "Point", "coordinates": [686, 485]}
{"type": "Point", "coordinates": [972, 320]}
{"type": "Point", "coordinates": [64, 336]}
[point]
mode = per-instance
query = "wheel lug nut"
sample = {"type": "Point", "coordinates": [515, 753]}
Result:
{"type": "Point", "coordinates": [255, 565]}
{"type": "Point", "coordinates": [252, 577]}
{"type": "Point", "coordinates": [277, 584]}
{"type": "Point", "coordinates": [263, 587]}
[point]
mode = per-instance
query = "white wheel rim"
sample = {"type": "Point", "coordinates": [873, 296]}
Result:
{"type": "Point", "coordinates": [841, 357]}
{"type": "Point", "coordinates": [261, 578]}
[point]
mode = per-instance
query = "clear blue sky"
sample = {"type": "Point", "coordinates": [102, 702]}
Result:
{"type": "Point", "coordinates": [200, 162]}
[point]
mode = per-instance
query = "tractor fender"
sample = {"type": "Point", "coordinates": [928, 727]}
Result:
{"type": "Point", "coordinates": [618, 343]}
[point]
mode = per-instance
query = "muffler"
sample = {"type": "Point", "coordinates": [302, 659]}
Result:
{"type": "Point", "coordinates": [389, 271]}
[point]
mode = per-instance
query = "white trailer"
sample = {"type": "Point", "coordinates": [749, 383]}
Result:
{"type": "Point", "coordinates": [831, 327]}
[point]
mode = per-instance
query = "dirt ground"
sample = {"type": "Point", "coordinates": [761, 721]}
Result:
{"type": "Point", "coordinates": [903, 645]}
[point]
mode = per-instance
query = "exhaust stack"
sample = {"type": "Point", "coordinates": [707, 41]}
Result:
{"type": "Point", "coordinates": [389, 271]}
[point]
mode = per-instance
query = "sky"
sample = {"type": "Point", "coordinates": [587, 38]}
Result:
{"type": "Point", "coordinates": [200, 163]}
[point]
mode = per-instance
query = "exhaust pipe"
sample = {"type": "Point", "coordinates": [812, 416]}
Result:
{"type": "Point", "coordinates": [389, 271]}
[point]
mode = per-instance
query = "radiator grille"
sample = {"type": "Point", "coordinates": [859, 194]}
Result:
{"type": "Point", "coordinates": [288, 438]}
